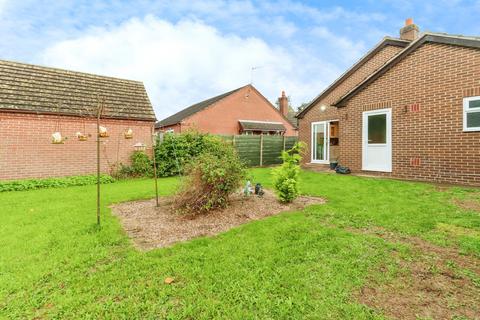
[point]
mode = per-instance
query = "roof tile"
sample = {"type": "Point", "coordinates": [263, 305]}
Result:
{"type": "Point", "coordinates": [38, 89]}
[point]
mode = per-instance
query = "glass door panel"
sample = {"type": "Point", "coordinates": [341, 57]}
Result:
{"type": "Point", "coordinates": [319, 141]}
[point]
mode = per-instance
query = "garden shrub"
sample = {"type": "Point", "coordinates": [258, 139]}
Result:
{"type": "Point", "coordinates": [177, 150]}
{"type": "Point", "coordinates": [286, 175]}
{"type": "Point", "coordinates": [30, 184]}
{"type": "Point", "coordinates": [141, 166]}
{"type": "Point", "coordinates": [210, 179]}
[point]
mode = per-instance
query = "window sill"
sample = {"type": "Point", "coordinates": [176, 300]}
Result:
{"type": "Point", "coordinates": [319, 162]}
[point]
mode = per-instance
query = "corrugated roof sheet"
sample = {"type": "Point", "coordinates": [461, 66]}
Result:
{"type": "Point", "coordinates": [30, 88]}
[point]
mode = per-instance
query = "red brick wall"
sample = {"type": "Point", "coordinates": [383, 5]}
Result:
{"type": "Point", "coordinates": [222, 117]}
{"type": "Point", "coordinates": [358, 76]}
{"type": "Point", "coordinates": [428, 140]}
{"type": "Point", "coordinates": [26, 150]}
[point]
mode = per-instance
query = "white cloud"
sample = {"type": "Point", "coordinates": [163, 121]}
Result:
{"type": "Point", "coordinates": [346, 48]}
{"type": "Point", "coordinates": [186, 62]}
{"type": "Point", "coordinates": [3, 5]}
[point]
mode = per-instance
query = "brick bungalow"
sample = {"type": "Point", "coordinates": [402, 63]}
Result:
{"type": "Point", "coordinates": [409, 109]}
{"type": "Point", "coordinates": [241, 111]}
{"type": "Point", "coordinates": [36, 102]}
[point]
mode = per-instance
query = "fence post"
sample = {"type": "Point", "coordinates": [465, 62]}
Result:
{"type": "Point", "coordinates": [283, 142]}
{"type": "Point", "coordinates": [233, 140]}
{"type": "Point", "coordinates": [261, 149]}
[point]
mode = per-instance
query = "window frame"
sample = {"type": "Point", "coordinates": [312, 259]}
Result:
{"type": "Point", "coordinates": [467, 110]}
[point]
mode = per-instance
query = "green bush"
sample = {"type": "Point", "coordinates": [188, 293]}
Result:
{"type": "Point", "coordinates": [177, 150]}
{"type": "Point", "coordinates": [141, 166]}
{"type": "Point", "coordinates": [30, 184]}
{"type": "Point", "coordinates": [286, 175]}
{"type": "Point", "coordinates": [210, 179]}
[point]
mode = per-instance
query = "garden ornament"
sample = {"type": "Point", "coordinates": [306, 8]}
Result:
{"type": "Point", "coordinates": [259, 190]}
{"type": "Point", "coordinates": [248, 188]}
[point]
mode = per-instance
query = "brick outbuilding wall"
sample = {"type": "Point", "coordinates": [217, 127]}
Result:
{"type": "Point", "coordinates": [359, 75]}
{"type": "Point", "coordinates": [26, 150]}
{"type": "Point", "coordinates": [425, 91]}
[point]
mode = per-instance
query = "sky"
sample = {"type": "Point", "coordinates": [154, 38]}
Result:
{"type": "Point", "coordinates": [187, 51]}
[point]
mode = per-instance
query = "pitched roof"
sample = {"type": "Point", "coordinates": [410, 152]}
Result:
{"type": "Point", "coordinates": [29, 88]}
{"type": "Point", "coordinates": [291, 117]}
{"type": "Point", "coordinates": [255, 125]}
{"type": "Point", "coordinates": [197, 107]}
{"type": "Point", "coordinates": [441, 38]}
{"type": "Point", "coordinates": [387, 41]}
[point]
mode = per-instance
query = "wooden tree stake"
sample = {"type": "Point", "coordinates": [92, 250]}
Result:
{"type": "Point", "coordinates": [154, 143]}
{"type": "Point", "coordinates": [101, 105]}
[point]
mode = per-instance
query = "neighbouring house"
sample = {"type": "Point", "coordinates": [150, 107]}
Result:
{"type": "Point", "coordinates": [38, 102]}
{"type": "Point", "coordinates": [410, 109]}
{"type": "Point", "coordinates": [241, 111]}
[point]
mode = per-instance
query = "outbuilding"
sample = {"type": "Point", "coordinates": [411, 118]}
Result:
{"type": "Point", "coordinates": [48, 126]}
{"type": "Point", "coordinates": [241, 111]}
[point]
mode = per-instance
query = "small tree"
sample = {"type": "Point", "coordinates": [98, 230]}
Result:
{"type": "Point", "coordinates": [286, 176]}
{"type": "Point", "coordinates": [210, 179]}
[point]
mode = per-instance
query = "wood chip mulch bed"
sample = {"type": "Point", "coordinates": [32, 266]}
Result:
{"type": "Point", "coordinates": [154, 227]}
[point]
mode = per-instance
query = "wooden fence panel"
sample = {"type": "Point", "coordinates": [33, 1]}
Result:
{"type": "Point", "coordinates": [256, 150]}
{"type": "Point", "coordinates": [272, 150]}
{"type": "Point", "coordinates": [249, 148]}
{"type": "Point", "coordinates": [289, 142]}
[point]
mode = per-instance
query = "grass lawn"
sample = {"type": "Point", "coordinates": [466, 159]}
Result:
{"type": "Point", "coordinates": [55, 263]}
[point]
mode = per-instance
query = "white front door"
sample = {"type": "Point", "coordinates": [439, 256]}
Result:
{"type": "Point", "coordinates": [377, 140]}
{"type": "Point", "coordinates": [320, 142]}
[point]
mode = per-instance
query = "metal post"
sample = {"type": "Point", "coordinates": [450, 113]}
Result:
{"type": "Point", "coordinates": [284, 142]}
{"type": "Point", "coordinates": [154, 143]}
{"type": "Point", "coordinates": [233, 140]}
{"type": "Point", "coordinates": [261, 149]}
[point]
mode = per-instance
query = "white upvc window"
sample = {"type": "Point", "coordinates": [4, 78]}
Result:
{"type": "Point", "coordinates": [471, 114]}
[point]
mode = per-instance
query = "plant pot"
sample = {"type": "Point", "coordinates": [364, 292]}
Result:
{"type": "Point", "coordinates": [102, 132]}
{"type": "Point", "coordinates": [333, 165]}
{"type": "Point", "coordinates": [128, 134]}
{"type": "Point", "coordinates": [82, 138]}
{"type": "Point", "coordinates": [57, 138]}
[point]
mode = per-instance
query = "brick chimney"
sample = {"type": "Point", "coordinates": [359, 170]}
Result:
{"type": "Point", "coordinates": [410, 31]}
{"type": "Point", "coordinates": [283, 104]}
